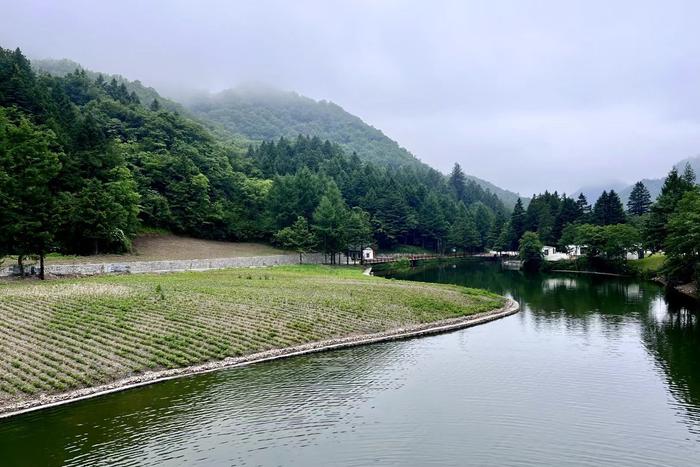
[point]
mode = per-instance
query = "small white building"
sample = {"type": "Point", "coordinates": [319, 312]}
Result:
{"type": "Point", "coordinates": [367, 253]}
{"type": "Point", "coordinates": [549, 253]}
{"type": "Point", "coordinates": [575, 250]}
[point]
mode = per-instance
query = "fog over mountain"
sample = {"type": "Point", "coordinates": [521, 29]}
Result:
{"type": "Point", "coordinates": [654, 185]}
{"type": "Point", "coordinates": [528, 95]}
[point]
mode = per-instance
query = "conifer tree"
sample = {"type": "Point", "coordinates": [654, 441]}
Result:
{"type": "Point", "coordinates": [28, 167]}
{"type": "Point", "coordinates": [329, 221]}
{"type": "Point", "coordinates": [608, 209]}
{"type": "Point", "coordinates": [458, 182]}
{"type": "Point", "coordinates": [639, 201]}
{"type": "Point", "coordinates": [674, 188]}
{"type": "Point", "coordinates": [297, 237]}
{"type": "Point", "coordinates": [517, 224]}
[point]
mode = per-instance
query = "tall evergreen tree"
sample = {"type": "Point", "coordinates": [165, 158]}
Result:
{"type": "Point", "coordinates": [608, 209]}
{"type": "Point", "coordinates": [458, 182]}
{"type": "Point", "coordinates": [329, 221]}
{"type": "Point", "coordinates": [674, 188]}
{"type": "Point", "coordinates": [569, 213]}
{"type": "Point", "coordinates": [517, 224]}
{"type": "Point", "coordinates": [682, 245]}
{"type": "Point", "coordinates": [483, 219]}
{"type": "Point", "coordinates": [358, 229]}
{"type": "Point", "coordinates": [28, 167]}
{"type": "Point", "coordinates": [639, 202]}
{"type": "Point", "coordinates": [584, 208]}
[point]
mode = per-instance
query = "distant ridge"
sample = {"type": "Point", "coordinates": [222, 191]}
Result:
{"type": "Point", "coordinates": [654, 185]}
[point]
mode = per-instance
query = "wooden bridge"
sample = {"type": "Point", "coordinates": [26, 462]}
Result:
{"type": "Point", "coordinates": [411, 258]}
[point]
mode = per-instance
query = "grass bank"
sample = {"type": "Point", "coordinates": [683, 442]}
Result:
{"type": "Point", "coordinates": [645, 268]}
{"type": "Point", "coordinates": [64, 335]}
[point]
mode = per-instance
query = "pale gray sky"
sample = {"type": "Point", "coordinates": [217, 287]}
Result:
{"type": "Point", "coordinates": [527, 94]}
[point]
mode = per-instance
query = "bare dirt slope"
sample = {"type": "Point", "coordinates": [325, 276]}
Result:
{"type": "Point", "coordinates": [166, 247]}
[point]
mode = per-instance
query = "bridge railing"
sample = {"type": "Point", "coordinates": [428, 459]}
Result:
{"type": "Point", "coordinates": [411, 257]}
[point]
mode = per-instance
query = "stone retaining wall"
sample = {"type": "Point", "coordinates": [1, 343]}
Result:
{"type": "Point", "coordinates": [135, 267]}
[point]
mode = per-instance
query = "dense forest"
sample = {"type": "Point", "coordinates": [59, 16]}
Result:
{"type": "Point", "coordinates": [609, 230]}
{"type": "Point", "coordinates": [85, 163]}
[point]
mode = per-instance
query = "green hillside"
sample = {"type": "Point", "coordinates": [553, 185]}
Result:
{"type": "Point", "coordinates": [262, 113]}
{"type": "Point", "coordinates": [146, 94]}
{"type": "Point", "coordinates": [265, 114]}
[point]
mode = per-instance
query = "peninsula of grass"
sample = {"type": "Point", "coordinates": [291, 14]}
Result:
{"type": "Point", "coordinates": [62, 335]}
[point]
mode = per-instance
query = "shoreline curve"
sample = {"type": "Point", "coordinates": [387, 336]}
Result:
{"type": "Point", "coordinates": [151, 377]}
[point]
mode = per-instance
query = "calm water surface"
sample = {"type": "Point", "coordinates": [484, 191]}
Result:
{"type": "Point", "coordinates": [593, 371]}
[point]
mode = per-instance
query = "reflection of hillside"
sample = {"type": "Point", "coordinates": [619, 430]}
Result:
{"type": "Point", "coordinates": [285, 402]}
{"type": "Point", "coordinates": [672, 337]}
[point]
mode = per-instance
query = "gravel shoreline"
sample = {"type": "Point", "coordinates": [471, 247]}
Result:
{"type": "Point", "coordinates": [151, 377]}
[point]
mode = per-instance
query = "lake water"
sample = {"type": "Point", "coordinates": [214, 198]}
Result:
{"type": "Point", "coordinates": [593, 371]}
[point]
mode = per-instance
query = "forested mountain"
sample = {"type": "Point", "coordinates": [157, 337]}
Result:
{"type": "Point", "coordinates": [146, 94]}
{"type": "Point", "coordinates": [84, 162]}
{"type": "Point", "coordinates": [263, 113]}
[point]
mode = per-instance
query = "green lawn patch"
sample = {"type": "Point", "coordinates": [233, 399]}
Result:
{"type": "Point", "coordinates": [651, 265]}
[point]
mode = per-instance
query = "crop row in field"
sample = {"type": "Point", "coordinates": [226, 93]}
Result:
{"type": "Point", "coordinates": [62, 335]}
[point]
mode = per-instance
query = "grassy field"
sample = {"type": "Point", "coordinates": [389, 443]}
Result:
{"type": "Point", "coordinates": [156, 247]}
{"type": "Point", "coordinates": [650, 265]}
{"type": "Point", "coordinates": [61, 335]}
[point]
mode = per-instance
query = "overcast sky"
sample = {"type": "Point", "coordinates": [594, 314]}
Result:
{"type": "Point", "coordinates": [527, 94]}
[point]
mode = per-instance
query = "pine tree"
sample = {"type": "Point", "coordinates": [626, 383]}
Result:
{"type": "Point", "coordinates": [688, 176]}
{"type": "Point", "coordinates": [155, 105]}
{"type": "Point", "coordinates": [329, 221]}
{"type": "Point", "coordinates": [682, 245]}
{"type": "Point", "coordinates": [569, 213]}
{"type": "Point", "coordinates": [484, 219]}
{"type": "Point", "coordinates": [458, 182]}
{"type": "Point", "coordinates": [517, 224]}
{"type": "Point", "coordinates": [674, 188]}
{"type": "Point", "coordinates": [297, 237]}
{"type": "Point", "coordinates": [431, 218]}
{"type": "Point", "coordinates": [358, 229]}
{"type": "Point", "coordinates": [583, 207]}
{"type": "Point", "coordinates": [639, 202]}
{"type": "Point", "coordinates": [28, 167]}
{"type": "Point", "coordinates": [616, 212]}
{"type": "Point", "coordinates": [608, 209]}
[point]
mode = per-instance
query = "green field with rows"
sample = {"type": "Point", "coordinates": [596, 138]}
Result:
{"type": "Point", "coordinates": [66, 334]}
